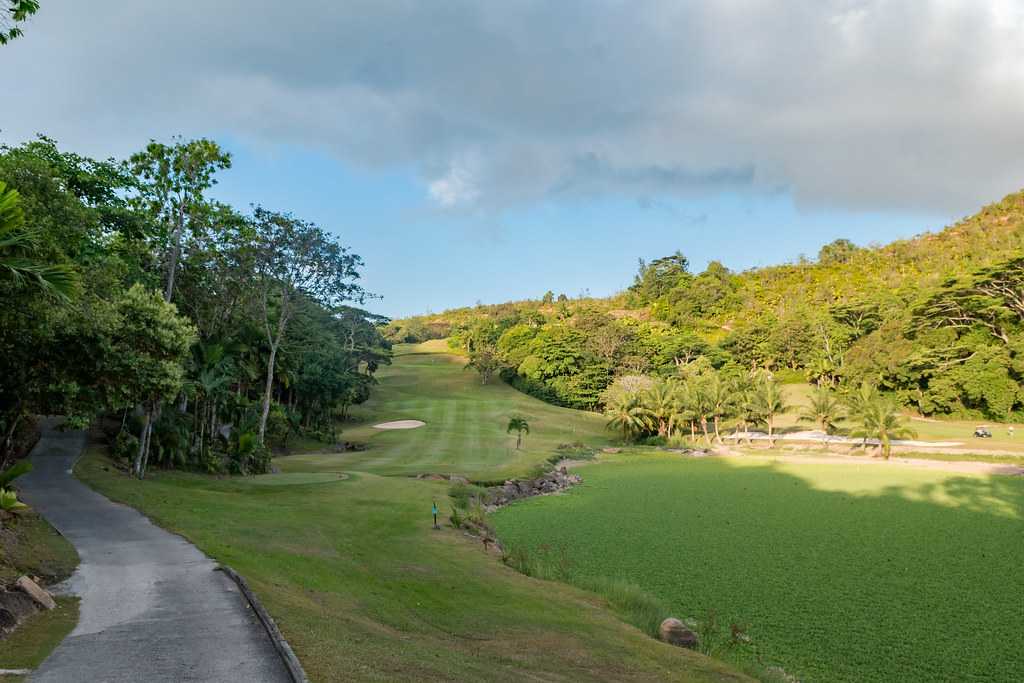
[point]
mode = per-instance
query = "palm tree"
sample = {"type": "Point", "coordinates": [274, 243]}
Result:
{"type": "Point", "coordinates": [628, 414]}
{"type": "Point", "coordinates": [720, 398]}
{"type": "Point", "coordinates": [518, 425]}
{"type": "Point", "coordinates": [824, 410]}
{"type": "Point", "coordinates": [16, 245]}
{"type": "Point", "coordinates": [768, 401]}
{"type": "Point", "coordinates": [684, 410]}
{"type": "Point", "coordinates": [881, 420]}
{"type": "Point", "coordinates": [860, 402]}
{"type": "Point", "coordinates": [661, 401]}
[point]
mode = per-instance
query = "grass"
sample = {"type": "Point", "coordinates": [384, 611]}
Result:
{"type": "Point", "coordinates": [362, 586]}
{"type": "Point", "coordinates": [34, 639]}
{"type": "Point", "coordinates": [928, 429]}
{"type": "Point", "coordinates": [840, 572]}
{"type": "Point", "coordinates": [30, 546]}
{"type": "Point", "coordinates": [465, 423]}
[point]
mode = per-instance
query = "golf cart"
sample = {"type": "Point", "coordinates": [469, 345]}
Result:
{"type": "Point", "coordinates": [982, 432]}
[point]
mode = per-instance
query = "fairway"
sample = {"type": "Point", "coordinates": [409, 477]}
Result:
{"type": "Point", "coordinates": [465, 422]}
{"type": "Point", "coordinates": [840, 572]}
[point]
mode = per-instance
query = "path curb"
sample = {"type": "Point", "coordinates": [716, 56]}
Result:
{"type": "Point", "coordinates": [291, 662]}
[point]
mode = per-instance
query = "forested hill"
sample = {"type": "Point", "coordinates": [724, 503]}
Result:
{"type": "Point", "coordinates": [936, 319]}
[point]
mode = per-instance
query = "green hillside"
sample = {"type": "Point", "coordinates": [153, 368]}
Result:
{"type": "Point", "coordinates": [936, 320]}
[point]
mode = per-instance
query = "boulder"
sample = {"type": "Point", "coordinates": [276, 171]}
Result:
{"type": "Point", "coordinates": [457, 479]}
{"type": "Point", "coordinates": [32, 589]}
{"type": "Point", "coordinates": [674, 632]}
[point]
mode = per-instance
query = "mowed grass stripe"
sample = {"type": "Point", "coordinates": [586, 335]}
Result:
{"type": "Point", "coordinates": [465, 430]}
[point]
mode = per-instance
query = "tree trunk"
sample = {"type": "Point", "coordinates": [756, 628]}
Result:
{"type": "Point", "coordinates": [718, 435]}
{"type": "Point", "coordinates": [172, 260]}
{"type": "Point", "coordinates": [519, 440]}
{"type": "Point", "coordinates": [704, 428]}
{"type": "Point", "coordinates": [771, 432]}
{"type": "Point", "coordinates": [9, 437]}
{"type": "Point", "coordinates": [143, 444]}
{"type": "Point", "coordinates": [266, 394]}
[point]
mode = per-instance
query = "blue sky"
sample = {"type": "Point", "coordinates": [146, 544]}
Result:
{"type": "Point", "coordinates": [419, 258]}
{"type": "Point", "coordinates": [492, 151]}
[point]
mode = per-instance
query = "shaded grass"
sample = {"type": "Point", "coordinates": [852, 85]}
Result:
{"type": "Point", "coordinates": [365, 590]}
{"type": "Point", "coordinates": [34, 639]}
{"type": "Point", "coordinates": [29, 545]}
{"type": "Point", "coordinates": [840, 572]}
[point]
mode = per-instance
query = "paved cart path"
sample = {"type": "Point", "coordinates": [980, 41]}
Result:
{"type": "Point", "coordinates": [152, 607]}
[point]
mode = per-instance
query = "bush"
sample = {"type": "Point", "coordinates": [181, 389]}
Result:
{"type": "Point", "coordinates": [125, 447]}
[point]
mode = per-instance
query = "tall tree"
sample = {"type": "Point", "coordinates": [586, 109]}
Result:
{"type": "Point", "coordinates": [173, 179]}
{"type": "Point", "coordinates": [293, 260]}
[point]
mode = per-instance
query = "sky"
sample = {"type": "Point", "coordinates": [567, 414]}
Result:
{"type": "Point", "coordinates": [482, 151]}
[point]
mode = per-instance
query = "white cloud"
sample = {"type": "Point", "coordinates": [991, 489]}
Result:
{"type": "Point", "coordinates": [455, 188]}
{"type": "Point", "coordinates": [863, 104]}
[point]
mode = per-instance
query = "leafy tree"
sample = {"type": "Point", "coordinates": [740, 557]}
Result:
{"type": "Point", "coordinates": [173, 179]}
{"type": "Point", "coordinates": [147, 344]}
{"type": "Point", "coordinates": [837, 251]}
{"type": "Point", "coordinates": [12, 13]}
{"type": "Point", "coordinates": [486, 362]}
{"type": "Point", "coordinates": [295, 260]}
{"type": "Point", "coordinates": [657, 278]}
{"type": "Point", "coordinates": [519, 425]}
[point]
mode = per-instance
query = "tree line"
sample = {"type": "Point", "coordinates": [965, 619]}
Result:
{"type": "Point", "coordinates": [935, 321]}
{"type": "Point", "coordinates": [697, 405]}
{"type": "Point", "coordinates": [204, 334]}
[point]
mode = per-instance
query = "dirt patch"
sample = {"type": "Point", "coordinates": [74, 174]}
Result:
{"type": "Point", "coordinates": [400, 424]}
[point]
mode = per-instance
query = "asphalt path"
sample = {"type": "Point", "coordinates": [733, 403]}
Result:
{"type": "Point", "coordinates": [152, 607]}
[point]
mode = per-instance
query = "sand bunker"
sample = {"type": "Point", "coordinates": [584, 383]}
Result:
{"type": "Point", "coordinates": [400, 424]}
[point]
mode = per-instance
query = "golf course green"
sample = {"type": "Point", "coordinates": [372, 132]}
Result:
{"type": "Point", "coordinates": [838, 572]}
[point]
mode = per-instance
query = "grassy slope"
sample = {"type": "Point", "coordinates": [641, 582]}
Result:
{"type": "Point", "coordinates": [361, 585]}
{"type": "Point", "coordinates": [28, 545]}
{"type": "Point", "coordinates": [28, 646]}
{"type": "Point", "coordinates": [842, 573]}
{"type": "Point", "coordinates": [465, 430]}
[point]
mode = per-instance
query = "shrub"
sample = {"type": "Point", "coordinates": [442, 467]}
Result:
{"type": "Point", "coordinates": [126, 446]}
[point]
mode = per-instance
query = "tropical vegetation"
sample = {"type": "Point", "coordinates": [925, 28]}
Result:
{"type": "Point", "coordinates": [934, 321]}
{"type": "Point", "coordinates": [200, 336]}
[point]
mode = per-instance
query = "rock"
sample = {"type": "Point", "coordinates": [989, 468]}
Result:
{"type": "Point", "coordinates": [456, 479]}
{"type": "Point", "coordinates": [611, 450]}
{"type": "Point", "coordinates": [7, 620]}
{"type": "Point", "coordinates": [35, 592]}
{"type": "Point", "coordinates": [674, 632]}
